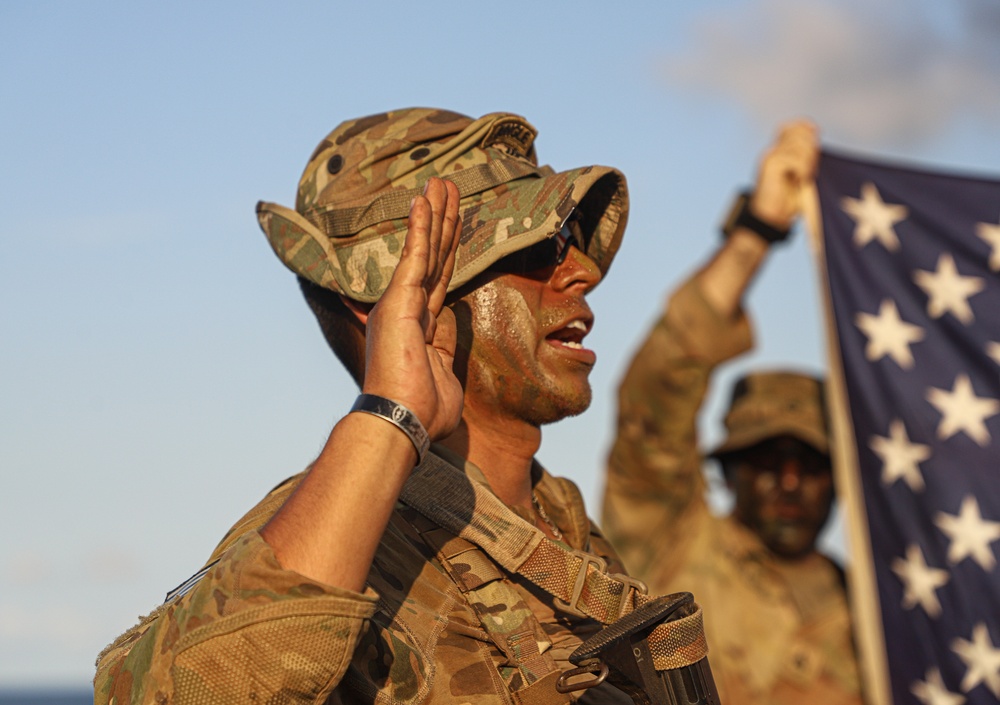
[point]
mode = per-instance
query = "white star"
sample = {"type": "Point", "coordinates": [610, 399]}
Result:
{"type": "Point", "coordinates": [919, 581]}
{"type": "Point", "coordinates": [962, 410]}
{"type": "Point", "coordinates": [888, 334]}
{"type": "Point", "coordinates": [874, 217]}
{"type": "Point", "coordinates": [982, 661]}
{"type": "Point", "coordinates": [933, 691]}
{"type": "Point", "coordinates": [948, 291]}
{"type": "Point", "coordinates": [970, 534]}
{"type": "Point", "coordinates": [900, 457]}
{"type": "Point", "coordinates": [991, 234]}
{"type": "Point", "coordinates": [993, 350]}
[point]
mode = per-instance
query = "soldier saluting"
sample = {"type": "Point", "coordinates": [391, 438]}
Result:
{"type": "Point", "coordinates": [449, 273]}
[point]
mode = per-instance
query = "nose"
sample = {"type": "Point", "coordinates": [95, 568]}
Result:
{"type": "Point", "coordinates": [790, 475]}
{"type": "Point", "coordinates": [576, 269]}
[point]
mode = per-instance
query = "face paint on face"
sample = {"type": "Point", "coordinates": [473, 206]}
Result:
{"type": "Point", "coordinates": [526, 357]}
{"type": "Point", "coordinates": [784, 491]}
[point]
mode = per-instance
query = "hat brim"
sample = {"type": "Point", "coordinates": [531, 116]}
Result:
{"type": "Point", "coordinates": [534, 209]}
{"type": "Point", "coordinates": [749, 437]}
{"type": "Point", "coordinates": [495, 223]}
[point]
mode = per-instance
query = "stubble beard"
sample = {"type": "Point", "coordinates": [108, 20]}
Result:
{"type": "Point", "coordinates": [551, 403]}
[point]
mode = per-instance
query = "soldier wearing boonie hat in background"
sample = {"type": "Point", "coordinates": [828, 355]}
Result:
{"type": "Point", "coordinates": [775, 609]}
{"type": "Point", "coordinates": [448, 272]}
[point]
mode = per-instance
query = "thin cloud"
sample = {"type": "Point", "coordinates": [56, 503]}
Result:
{"type": "Point", "coordinates": [876, 73]}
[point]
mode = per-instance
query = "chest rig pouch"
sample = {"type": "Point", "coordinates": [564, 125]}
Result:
{"type": "Point", "coordinates": [530, 674]}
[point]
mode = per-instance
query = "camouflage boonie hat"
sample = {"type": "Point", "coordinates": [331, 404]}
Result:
{"type": "Point", "coordinates": [350, 216]}
{"type": "Point", "coordinates": [770, 404]}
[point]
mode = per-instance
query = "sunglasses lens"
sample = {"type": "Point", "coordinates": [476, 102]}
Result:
{"type": "Point", "coordinates": [550, 252]}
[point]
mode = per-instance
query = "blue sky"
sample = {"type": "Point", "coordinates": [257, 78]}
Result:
{"type": "Point", "coordinates": [159, 371]}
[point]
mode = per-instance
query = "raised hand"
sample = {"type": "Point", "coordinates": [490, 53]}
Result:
{"type": "Point", "coordinates": [787, 165]}
{"type": "Point", "coordinates": [330, 527]}
{"type": "Point", "coordinates": [410, 342]}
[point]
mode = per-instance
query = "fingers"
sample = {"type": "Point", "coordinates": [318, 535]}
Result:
{"type": "Point", "coordinates": [430, 235]}
{"type": "Point", "coordinates": [436, 194]}
{"type": "Point", "coordinates": [408, 315]}
{"type": "Point", "coordinates": [413, 260]}
{"type": "Point", "coordinates": [450, 236]}
{"type": "Point", "coordinates": [797, 149]}
{"type": "Point", "coordinates": [799, 126]}
{"type": "Point", "coordinates": [787, 165]}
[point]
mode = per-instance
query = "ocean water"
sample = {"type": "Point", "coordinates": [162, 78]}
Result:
{"type": "Point", "coordinates": [46, 697]}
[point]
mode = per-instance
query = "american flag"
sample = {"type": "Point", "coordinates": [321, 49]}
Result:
{"type": "Point", "coordinates": [913, 304]}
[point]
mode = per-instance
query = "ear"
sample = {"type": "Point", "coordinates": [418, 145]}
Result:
{"type": "Point", "coordinates": [359, 309]}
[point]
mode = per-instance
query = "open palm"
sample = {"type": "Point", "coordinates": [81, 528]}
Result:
{"type": "Point", "coordinates": [411, 335]}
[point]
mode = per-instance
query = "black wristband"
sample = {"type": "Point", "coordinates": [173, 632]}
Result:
{"type": "Point", "coordinates": [399, 416]}
{"type": "Point", "coordinates": [740, 216]}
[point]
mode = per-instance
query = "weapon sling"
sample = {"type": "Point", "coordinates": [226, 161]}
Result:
{"type": "Point", "coordinates": [670, 629]}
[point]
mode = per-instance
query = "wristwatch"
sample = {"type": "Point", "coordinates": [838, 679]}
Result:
{"type": "Point", "coordinates": [740, 216]}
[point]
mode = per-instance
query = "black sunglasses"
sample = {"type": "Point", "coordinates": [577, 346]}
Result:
{"type": "Point", "coordinates": [770, 456]}
{"type": "Point", "coordinates": [550, 252]}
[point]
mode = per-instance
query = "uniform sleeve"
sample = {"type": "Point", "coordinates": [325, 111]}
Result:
{"type": "Point", "coordinates": [654, 478]}
{"type": "Point", "coordinates": [249, 631]}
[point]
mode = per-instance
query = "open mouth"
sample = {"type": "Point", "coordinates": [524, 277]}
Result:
{"type": "Point", "coordinates": [571, 335]}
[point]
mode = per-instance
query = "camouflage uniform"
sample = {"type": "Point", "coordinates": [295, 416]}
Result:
{"type": "Point", "coordinates": [249, 631]}
{"type": "Point", "coordinates": [779, 631]}
{"type": "Point", "coordinates": [443, 618]}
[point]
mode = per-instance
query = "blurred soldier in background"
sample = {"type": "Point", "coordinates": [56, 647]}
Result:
{"type": "Point", "coordinates": [776, 614]}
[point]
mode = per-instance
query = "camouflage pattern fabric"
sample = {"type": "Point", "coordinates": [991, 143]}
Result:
{"type": "Point", "coordinates": [350, 216]}
{"type": "Point", "coordinates": [249, 631]}
{"type": "Point", "coordinates": [779, 632]}
{"type": "Point", "coordinates": [579, 581]}
{"type": "Point", "coordinates": [776, 403]}
{"type": "Point", "coordinates": [245, 630]}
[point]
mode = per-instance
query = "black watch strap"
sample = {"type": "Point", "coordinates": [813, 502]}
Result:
{"type": "Point", "coordinates": [740, 216]}
{"type": "Point", "coordinates": [399, 416]}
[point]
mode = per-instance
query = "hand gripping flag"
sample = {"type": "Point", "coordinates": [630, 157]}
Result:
{"type": "Point", "coordinates": [911, 261]}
